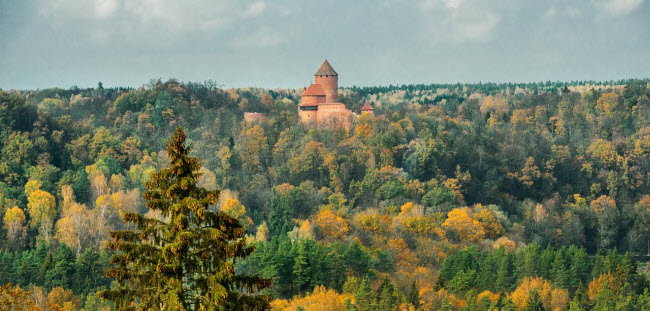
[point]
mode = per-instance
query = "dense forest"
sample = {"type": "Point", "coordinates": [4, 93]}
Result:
{"type": "Point", "coordinates": [532, 196]}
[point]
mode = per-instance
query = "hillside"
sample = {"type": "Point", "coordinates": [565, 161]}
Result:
{"type": "Point", "coordinates": [475, 196]}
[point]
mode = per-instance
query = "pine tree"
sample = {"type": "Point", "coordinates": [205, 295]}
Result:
{"type": "Point", "coordinates": [301, 269]}
{"type": "Point", "coordinates": [387, 296]}
{"type": "Point", "coordinates": [559, 273]}
{"type": "Point", "coordinates": [89, 267]}
{"type": "Point", "coordinates": [63, 272]}
{"type": "Point", "coordinates": [364, 296]}
{"type": "Point", "coordinates": [280, 215]}
{"type": "Point", "coordinates": [356, 259]}
{"type": "Point", "coordinates": [282, 266]}
{"type": "Point", "coordinates": [185, 260]}
{"type": "Point", "coordinates": [504, 277]}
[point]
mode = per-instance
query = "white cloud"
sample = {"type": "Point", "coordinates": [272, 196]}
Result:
{"type": "Point", "coordinates": [263, 38]}
{"type": "Point", "coordinates": [618, 7]}
{"type": "Point", "coordinates": [106, 8]}
{"type": "Point", "coordinates": [106, 20]}
{"type": "Point", "coordinates": [460, 20]}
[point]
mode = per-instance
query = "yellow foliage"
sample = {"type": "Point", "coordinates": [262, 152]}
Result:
{"type": "Point", "coordinates": [14, 215]}
{"type": "Point", "coordinates": [608, 103]}
{"type": "Point", "coordinates": [331, 225]}
{"type": "Point", "coordinates": [40, 205]}
{"type": "Point", "coordinates": [237, 210]}
{"type": "Point", "coordinates": [605, 152]}
{"type": "Point", "coordinates": [461, 225]}
{"type": "Point", "coordinates": [373, 221]}
{"type": "Point", "coordinates": [305, 230]}
{"type": "Point", "coordinates": [262, 232]}
{"type": "Point", "coordinates": [321, 299]}
{"type": "Point", "coordinates": [488, 295]}
{"type": "Point", "coordinates": [552, 298]}
{"type": "Point", "coordinates": [14, 221]}
{"type": "Point", "coordinates": [642, 145]}
{"type": "Point", "coordinates": [31, 186]}
{"type": "Point", "coordinates": [491, 225]}
{"type": "Point", "coordinates": [422, 225]}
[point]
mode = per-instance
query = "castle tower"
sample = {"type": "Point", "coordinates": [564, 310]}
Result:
{"type": "Point", "coordinates": [367, 109]}
{"type": "Point", "coordinates": [329, 80]}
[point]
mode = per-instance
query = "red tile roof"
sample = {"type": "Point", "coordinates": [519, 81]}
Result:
{"type": "Point", "coordinates": [326, 70]}
{"type": "Point", "coordinates": [314, 90]}
{"type": "Point", "coordinates": [367, 107]}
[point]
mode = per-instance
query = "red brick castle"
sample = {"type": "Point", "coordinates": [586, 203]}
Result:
{"type": "Point", "coordinates": [320, 104]}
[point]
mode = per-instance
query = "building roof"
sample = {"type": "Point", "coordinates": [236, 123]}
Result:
{"type": "Point", "coordinates": [367, 106]}
{"type": "Point", "coordinates": [314, 90]}
{"type": "Point", "coordinates": [326, 70]}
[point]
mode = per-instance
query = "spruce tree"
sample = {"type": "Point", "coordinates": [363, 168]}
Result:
{"type": "Point", "coordinates": [301, 269]}
{"type": "Point", "coordinates": [280, 215]}
{"type": "Point", "coordinates": [185, 259]}
{"type": "Point", "coordinates": [559, 273]}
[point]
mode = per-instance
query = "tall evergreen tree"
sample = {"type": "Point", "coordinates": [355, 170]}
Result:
{"type": "Point", "coordinates": [183, 260]}
{"type": "Point", "coordinates": [301, 269]}
{"type": "Point", "coordinates": [279, 215]}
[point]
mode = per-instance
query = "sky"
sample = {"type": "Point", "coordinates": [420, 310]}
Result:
{"type": "Point", "coordinates": [281, 43]}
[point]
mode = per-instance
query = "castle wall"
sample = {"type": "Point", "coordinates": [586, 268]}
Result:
{"type": "Point", "coordinates": [332, 114]}
{"type": "Point", "coordinates": [308, 116]}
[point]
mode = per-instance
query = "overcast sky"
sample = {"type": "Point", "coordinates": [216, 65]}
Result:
{"type": "Point", "coordinates": [46, 43]}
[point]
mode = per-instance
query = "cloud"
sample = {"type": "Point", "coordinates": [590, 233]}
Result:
{"type": "Point", "coordinates": [106, 20]}
{"type": "Point", "coordinates": [618, 7]}
{"type": "Point", "coordinates": [460, 20]}
{"type": "Point", "coordinates": [263, 38]}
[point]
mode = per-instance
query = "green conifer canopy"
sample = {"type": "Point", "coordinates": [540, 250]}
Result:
{"type": "Point", "coordinates": [184, 259]}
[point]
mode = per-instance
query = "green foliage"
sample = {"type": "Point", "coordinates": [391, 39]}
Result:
{"type": "Point", "coordinates": [185, 259]}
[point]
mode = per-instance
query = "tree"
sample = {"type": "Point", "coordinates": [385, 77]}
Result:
{"type": "Point", "coordinates": [14, 221]}
{"type": "Point", "coordinates": [184, 263]}
{"type": "Point", "coordinates": [15, 298]}
{"type": "Point", "coordinates": [40, 205]}
{"type": "Point", "coordinates": [460, 225]}
{"type": "Point", "coordinates": [280, 215]}
{"type": "Point", "coordinates": [301, 269]}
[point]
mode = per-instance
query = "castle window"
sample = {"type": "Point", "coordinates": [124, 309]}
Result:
{"type": "Point", "coordinates": [308, 108]}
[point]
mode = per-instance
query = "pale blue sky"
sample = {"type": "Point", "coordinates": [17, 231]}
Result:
{"type": "Point", "coordinates": [281, 43]}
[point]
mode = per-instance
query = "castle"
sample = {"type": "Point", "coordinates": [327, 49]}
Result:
{"type": "Point", "coordinates": [320, 104]}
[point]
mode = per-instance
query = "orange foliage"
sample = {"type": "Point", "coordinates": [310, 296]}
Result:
{"type": "Point", "coordinates": [613, 283]}
{"type": "Point", "coordinates": [15, 298]}
{"type": "Point", "coordinates": [60, 299]}
{"type": "Point", "coordinates": [331, 225]}
{"type": "Point", "coordinates": [602, 203]}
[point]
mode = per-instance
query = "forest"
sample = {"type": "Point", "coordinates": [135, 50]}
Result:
{"type": "Point", "coordinates": [487, 196]}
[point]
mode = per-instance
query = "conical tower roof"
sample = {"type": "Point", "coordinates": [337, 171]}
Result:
{"type": "Point", "coordinates": [367, 106]}
{"type": "Point", "coordinates": [326, 70]}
